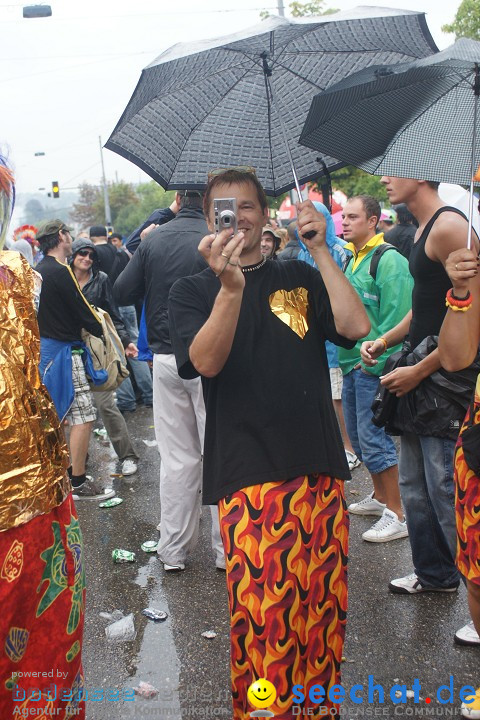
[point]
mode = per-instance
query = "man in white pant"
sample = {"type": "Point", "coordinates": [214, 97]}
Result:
{"type": "Point", "coordinates": [168, 253]}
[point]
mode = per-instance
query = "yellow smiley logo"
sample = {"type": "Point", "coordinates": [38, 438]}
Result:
{"type": "Point", "coordinates": [261, 693]}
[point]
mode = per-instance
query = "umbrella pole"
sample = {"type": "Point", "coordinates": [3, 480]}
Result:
{"type": "Point", "coordinates": [267, 71]}
{"type": "Point", "coordinates": [473, 165]}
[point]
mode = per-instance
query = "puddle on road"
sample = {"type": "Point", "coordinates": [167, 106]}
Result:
{"type": "Point", "coordinates": [157, 660]}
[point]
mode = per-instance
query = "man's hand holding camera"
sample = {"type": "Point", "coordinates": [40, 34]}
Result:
{"type": "Point", "coordinates": [222, 252]}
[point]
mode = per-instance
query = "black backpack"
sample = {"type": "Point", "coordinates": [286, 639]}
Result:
{"type": "Point", "coordinates": [375, 259]}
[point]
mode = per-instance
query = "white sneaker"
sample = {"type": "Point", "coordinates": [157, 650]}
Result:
{"type": "Point", "coordinates": [173, 568]}
{"type": "Point", "coordinates": [353, 460]}
{"type": "Point", "coordinates": [467, 635]}
{"type": "Point", "coordinates": [129, 466]}
{"type": "Point", "coordinates": [411, 585]}
{"type": "Point", "coordinates": [387, 528]}
{"type": "Point", "coordinates": [367, 506]}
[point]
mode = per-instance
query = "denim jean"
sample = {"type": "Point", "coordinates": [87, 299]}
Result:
{"type": "Point", "coordinates": [426, 487]}
{"type": "Point", "coordinates": [371, 444]}
{"type": "Point", "coordinates": [139, 368]}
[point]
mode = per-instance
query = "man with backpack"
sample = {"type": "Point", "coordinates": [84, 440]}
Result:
{"type": "Point", "coordinates": [62, 314]}
{"type": "Point", "coordinates": [382, 280]}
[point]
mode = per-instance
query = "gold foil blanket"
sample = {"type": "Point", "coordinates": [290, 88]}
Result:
{"type": "Point", "coordinates": [33, 454]}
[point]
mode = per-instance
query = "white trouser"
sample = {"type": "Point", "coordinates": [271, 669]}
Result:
{"type": "Point", "coordinates": [179, 418]}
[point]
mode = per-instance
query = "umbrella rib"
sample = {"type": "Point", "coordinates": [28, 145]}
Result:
{"type": "Point", "coordinates": [202, 120]}
{"type": "Point", "coordinates": [300, 77]}
{"type": "Point", "coordinates": [269, 110]}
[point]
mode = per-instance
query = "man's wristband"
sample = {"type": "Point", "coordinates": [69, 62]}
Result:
{"type": "Point", "coordinates": [458, 304]}
{"type": "Point", "coordinates": [385, 344]}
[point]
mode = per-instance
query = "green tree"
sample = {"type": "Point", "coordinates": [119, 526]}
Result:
{"type": "Point", "coordinates": [353, 181]}
{"type": "Point", "coordinates": [467, 21]}
{"type": "Point", "coordinates": [120, 195]}
{"type": "Point", "coordinates": [150, 196]}
{"type": "Point", "coordinates": [314, 7]}
{"type": "Point", "coordinates": [299, 9]}
{"type": "Point", "coordinates": [85, 212]}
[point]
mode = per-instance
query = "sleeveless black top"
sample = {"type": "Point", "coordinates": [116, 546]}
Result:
{"type": "Point", "coordinates": [430, 286]}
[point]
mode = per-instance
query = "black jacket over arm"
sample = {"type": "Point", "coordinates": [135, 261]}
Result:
{"type": "Point", "coordinates": [168, 253]}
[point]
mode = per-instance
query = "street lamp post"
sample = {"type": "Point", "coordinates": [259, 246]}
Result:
{"type": "Point", "coordinates": [108, 215]}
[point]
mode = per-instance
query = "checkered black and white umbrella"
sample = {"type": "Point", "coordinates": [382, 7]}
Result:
{"type": "Point", "coordinates": [243, 99]}
{"type": "Point", "coordinates": [415, 120]}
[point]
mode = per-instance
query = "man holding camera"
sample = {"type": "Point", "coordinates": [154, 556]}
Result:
{"type": "Point", "coordinates": [255, 331]}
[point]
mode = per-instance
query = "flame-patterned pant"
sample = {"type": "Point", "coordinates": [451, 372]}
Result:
{"type": "Point", "coordinates": [467, 503]}
{"type": "Point", "coordinates": [286, 547]}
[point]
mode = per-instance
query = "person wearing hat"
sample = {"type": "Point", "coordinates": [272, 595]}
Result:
{"type": "Point", "coordinates": [98, 290]}
{"type": "Point", "coordinates": [388, 219]}
{"type": "Point", "coordinates": [63, 312]}
{"type": "Point", "coordinates": [270, 244]}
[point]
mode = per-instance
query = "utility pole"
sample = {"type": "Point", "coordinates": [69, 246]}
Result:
{"type": "Point", "coordinates": [108, 214]}
{"type": "Point", "coordinates": [281, 9]}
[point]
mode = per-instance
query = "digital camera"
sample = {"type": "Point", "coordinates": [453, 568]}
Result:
{"type": "Point", "coordinates": [225, 212]}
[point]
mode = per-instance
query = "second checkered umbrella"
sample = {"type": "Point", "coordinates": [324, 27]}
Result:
{"type": "Point", "coordinates": [416, 120]}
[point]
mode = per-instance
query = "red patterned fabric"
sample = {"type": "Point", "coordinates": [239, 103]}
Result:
{"type": "Point", "coordinates": [42, 601]}
{"type": "Point", "coordinates": [467, 502]}
{"type": "Point", "coordinates": [286, 546]}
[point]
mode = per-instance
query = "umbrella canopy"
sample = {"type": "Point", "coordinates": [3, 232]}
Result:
{"type": "Point", "coordinates": [228, 101]}
{"type": "Point", "coordinates": [416, 120]}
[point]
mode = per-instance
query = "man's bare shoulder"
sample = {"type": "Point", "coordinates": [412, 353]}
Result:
{"type": "Point", "coordinates": [449, 233]}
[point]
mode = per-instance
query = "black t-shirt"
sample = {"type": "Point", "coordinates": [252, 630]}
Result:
{"type": "Point", "coordinates": [270, 414]}
{"type": "Point", "coordinates": [63, 309]}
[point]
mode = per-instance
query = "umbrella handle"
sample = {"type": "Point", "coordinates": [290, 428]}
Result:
{"type": "Point", "coordinates": [267, 71]}
{"type": "Point", "coordinates": [476, 90]}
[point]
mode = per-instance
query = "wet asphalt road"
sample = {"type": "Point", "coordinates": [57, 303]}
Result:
{"type": "Point", "coordinates": [394, 638]}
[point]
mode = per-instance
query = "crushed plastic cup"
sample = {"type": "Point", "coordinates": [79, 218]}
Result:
{"type": "Point", "coordinates": [145, 690]}
{"type": "Point", "coordinates": [122, 630]}
{"type": "Point", "coordinates": [209, 634]}
{"type": "Point", "coordinates": [150, 443]}
{"type": "Point", "coordinates": [155, 615]}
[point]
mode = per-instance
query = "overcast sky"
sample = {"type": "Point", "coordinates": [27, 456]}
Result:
{"type": "Point", "coordinates": [66, 79]}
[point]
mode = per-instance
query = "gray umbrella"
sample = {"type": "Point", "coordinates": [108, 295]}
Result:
{"type": "Point", "coordinates": [416, 120]}
{"type": "Point", "coordinates": [242, 99]}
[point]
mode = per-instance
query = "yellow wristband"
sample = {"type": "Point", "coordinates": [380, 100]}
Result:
{"type": "Point", "coordinates": [382, 339]}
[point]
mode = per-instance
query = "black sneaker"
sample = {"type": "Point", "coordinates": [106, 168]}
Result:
{"type": "Point", "coordinates": [92, 490]}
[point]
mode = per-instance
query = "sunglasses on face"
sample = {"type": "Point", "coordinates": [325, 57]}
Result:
{"type": "Point", "coordinates": [86, 253]}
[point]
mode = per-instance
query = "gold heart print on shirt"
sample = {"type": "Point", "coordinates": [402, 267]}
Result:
{"type": "Point", "coordinates": [291, 306]}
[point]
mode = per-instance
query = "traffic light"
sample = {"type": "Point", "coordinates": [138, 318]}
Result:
{"type": "Point", "coordinates": [55, 189]}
